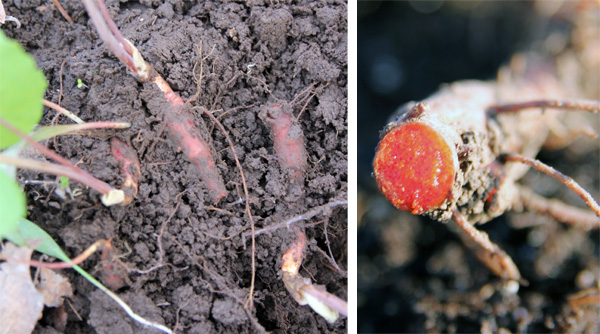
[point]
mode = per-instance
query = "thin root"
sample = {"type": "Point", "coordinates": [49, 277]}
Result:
{"type": "Point", "coordinates": [62, 265]}
{"type": "Point", "coordinates": [567, 181]}
{"type": "Point", "coordinates": [558, 209]}
{"type": "Point", "coordinates": [488, 252]}
{"type": "Point", "coordinates": [585, 105]}
{"type": "Point", "coordinates": [201, 74]}
{"type": "Point", "coordinates": [250, 301]}
{"type": "Point", "coordinates": [305, 216]}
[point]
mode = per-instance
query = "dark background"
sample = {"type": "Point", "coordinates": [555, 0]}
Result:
{"type": "Point", "coordinates": [406, 50]}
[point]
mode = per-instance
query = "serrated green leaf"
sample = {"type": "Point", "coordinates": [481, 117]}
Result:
{"type": "Point", "coordinates": [12, 204]}
{"type": "Point", "coordinates": [22, 88]}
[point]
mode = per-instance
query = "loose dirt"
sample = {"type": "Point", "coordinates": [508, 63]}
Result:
{"type": "Point", "coordinates": [195, 276]}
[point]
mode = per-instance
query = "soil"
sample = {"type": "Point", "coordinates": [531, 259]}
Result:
{"type": "Point", "coordinates": [414, 274]}
{"type": "Point", "coordinates": [195, 276]}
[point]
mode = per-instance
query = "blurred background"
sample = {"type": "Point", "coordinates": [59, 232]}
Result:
{"type": "Point", "coordinates": [414, 274]}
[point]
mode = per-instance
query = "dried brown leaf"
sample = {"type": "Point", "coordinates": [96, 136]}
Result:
{"type": "Point", "coordinates": [53, 287]}
{"type": "Point", "coordinates": [22, 304]}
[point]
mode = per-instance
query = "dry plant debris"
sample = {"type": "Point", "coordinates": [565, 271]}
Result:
{"type": "Point", "coordinates": [54, 287]}
{"type": "Point", "coordinates": [21, 303]}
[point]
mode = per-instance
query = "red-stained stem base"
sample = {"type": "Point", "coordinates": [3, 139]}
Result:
{"type": "Point", "coordinates": [130, 167]}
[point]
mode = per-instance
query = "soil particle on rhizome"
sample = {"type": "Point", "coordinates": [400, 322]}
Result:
{"type": "Point", "coordinates": [243, 55]}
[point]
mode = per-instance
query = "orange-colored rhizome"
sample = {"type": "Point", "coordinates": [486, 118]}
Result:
{"type": "Point", "coordinates": [414, 167]}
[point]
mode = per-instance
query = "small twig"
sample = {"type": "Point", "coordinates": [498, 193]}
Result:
{"type": "Point", "coordinates": [213, 208]}
{"type": "Point", "coordinates": [307, 94]}
{"type": "Point", "coordinates": [222, 89]}
{"type": "Point", "coordinates": [488, 252]}
{"type": "Point", "coordinates": [567, 181]}
{"type": "Point", "coordinates": [265, 86]}
{"type": "Point", "coordinates": [60, 76]}
{"type": "Point", "coordinates": [62, 11]}
{"type": "Point", "coordinates": [480, 237]}
{"type": "Point", "coordinates": [201, 75]}
{"type": "Point", "coordinates": [305, 216]}
{"type": "Point", "coordinates": [305, 105]}
{"type": "Point", "coordinates": [176, 327]}
{"type": "Point", "coordinates": [74, 310]}
{"type": "Point", "coordinates": [589, 296]}
{"type": "Point", "coordinates": [234, 109]}
{"type": "Point", "coordinates": [332, 262]}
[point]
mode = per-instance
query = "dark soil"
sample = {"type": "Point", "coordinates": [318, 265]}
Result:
{"type": "Point", "coordinates": [415, 275]}
{"type": "Point", "coordinates": [195, 277]}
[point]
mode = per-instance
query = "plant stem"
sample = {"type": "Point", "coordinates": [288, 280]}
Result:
{"type": "Point", "coordinates": [332, 301]}
{"type": "Point", "coordinates": [50, 168]}
{"type": "Point", "coordinates": [105, 34]}
{"type": "Point", "coordinates": [63, 111]}
{"type": "Point", "coordinates": [43, 149]}
{"type": "Point", "coordinates": [110, 195]}
{"type": "Point", "coordinates": [113, 27]}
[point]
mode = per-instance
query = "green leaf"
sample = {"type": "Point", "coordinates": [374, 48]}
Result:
{"type": "Point", "coordinates": [29, 233]}
{"type": "Point", "coordinates": [45, 132]}
{"type": "Point", "coordinates": [64, 182]}
{"type": "Point", "coordinates": [13, 207]}
{"type": "Point", "coordinates": [22, 88]}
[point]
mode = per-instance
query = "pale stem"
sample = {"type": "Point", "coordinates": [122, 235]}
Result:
{"type": "Point", "coordinates": [50, 168]}
{"type": "Point", "coordinates": [63, 111]}
{"type": "Point", "coordinates": [332, 301]}
{"type": "Point", "coordinates": [105, 34]}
